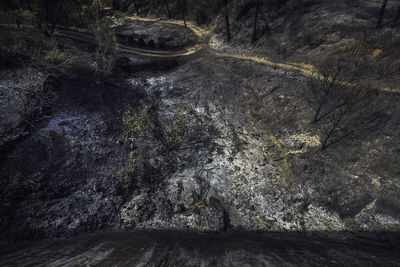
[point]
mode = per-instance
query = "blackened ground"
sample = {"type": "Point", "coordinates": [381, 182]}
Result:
{"type": "Point", "coordinates": [161, 248]}
{"type": "Point", "coordinates": [253, 161]}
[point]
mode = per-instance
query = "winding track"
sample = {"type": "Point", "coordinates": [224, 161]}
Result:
{"type": "Point", "coordinates": [202, 34]}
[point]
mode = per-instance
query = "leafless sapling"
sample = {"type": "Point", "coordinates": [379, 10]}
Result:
{"type": "Point", "coordinates": [183, 10]}
{"type": "Point", "coordinates": [168, 10]}
{"type": "Point", "coordinates": [256, 10]}
{"type": "Point", "coordinates": [228, 28]}
{"type": "Point", "coordinates": [397, 17]}
{"type": "Point", "coordinates": [344, 108]}
{"type": "Point", "coordinates": [381, 14]}
{"type": "Point", "coordinates": [360, 111]}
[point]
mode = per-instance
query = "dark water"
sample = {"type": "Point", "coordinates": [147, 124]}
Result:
{"type": "Point", "coordinates": [164, 248]}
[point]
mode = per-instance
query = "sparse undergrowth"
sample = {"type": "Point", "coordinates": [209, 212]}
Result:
{"type": "Point", "coordinates": [106, 46]}
{"type": "Point", "coordinates": [145, 134]}
{"type": "Point", "coordinates": [344, 107]}
{"type": "Point", "coordinates": [173, 178]}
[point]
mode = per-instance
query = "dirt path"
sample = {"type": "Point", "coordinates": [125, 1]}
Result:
{"type": "Point", "coordinates": [202, 33]}
{"type": "Point", "coordinates": [307, 70]}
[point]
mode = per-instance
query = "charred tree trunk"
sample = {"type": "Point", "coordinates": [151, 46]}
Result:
{"type": "Point", "coordinates": [396, 18]}
{"type": "Point", "coordinates": [54, 21]}
{"type": "Point", "coordinates": [115, 5]}
{"type": "Point", "coordinates": [168, 10]}
{"type": "Point", "coordinates": [335, 123]}
{"type": "Point", "coordinates": [228, 29]}
{"type": "Point", "coordinates": [381, 14]}
{"type": "Point", "coordinates": [44, 17]}
{"type": "Point", "coordinates": [257, 6]}
{"type": "Point", "coordinates": [28, 4]}
{"type": "Point", "coordinates": [183, 11]}
{"type": "Point", "coordinates": [136, 7]}
{"type": "Point", "coordinates": [48, 22]}
{"type": "Point", "coordinates": [18, 22]}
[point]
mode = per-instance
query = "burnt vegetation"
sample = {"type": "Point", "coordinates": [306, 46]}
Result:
{"type": "Point", "coordinates": [277, 94]}
{"type": "Point", "coordinates": [344, 108]}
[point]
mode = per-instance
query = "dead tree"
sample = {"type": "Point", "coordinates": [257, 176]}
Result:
{"type": "Point", "coordinates": [397, 17]}
{"type": "Point", "coordinates": [50, 15]}
{"type": "Point", "coordinates": [115, 5]}
{"type": "Point", "coordinates": [168, 10]}
{"type": "Point", "coordinates": [228, 29]}
{"type": "Point", "coordinates": [381, 14]}
{"type": "Point", "coordinates": [356, 119]}
{"type": "Point", "coordinates": [323, 90]}
{"type": "Point", "coordinates": [28, 4]}
{"type": "Point", "coordinates": [183, 8]}
{"type": "Point", "coordinates": [256, 7]}
{"type": "Point", "coordinates": [336, 72]}
{"type": "Point", "coordinates": [343, 107]}
{"type": "Point", "coordinates": [346, 111]}
{"type": "Point", "coordinates": [136, 7]}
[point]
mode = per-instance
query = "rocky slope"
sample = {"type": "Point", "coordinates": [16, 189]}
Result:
{"type": "Point", "coordinates": [249, 158]}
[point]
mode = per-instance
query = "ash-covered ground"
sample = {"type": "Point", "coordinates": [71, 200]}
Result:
{"type": "Point", "coordinates": [249, 157]}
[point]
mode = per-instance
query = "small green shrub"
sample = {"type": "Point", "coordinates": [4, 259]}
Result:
{"type": "Point", "coordinates": [180, 127]}
{"type": "Point", "coordinates": [172, 136]}
{"type": "Point", "coordinates": [124, 178]}
{"type": "Point", "coordinates": [57, 57]}
{"type": "Point", "coordinates": [106, 46]}
{"type": "Point", "coordinates": [134, 123]}
{"type": "Point", "coordinates": [135, 158]}
{"type": "Point", "coordinates": [153, 135]}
